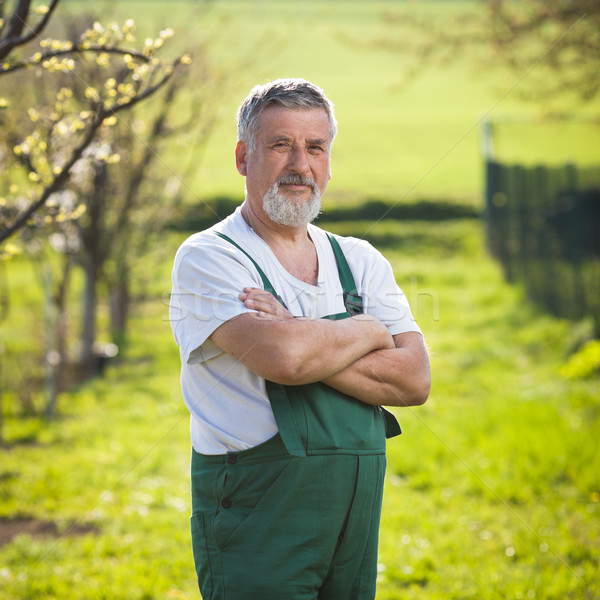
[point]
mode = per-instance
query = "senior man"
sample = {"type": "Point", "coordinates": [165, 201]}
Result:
{"type": "Point", "coordinates": [291, 341]}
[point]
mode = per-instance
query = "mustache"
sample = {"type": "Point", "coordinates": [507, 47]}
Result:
{"type": "Point", "coordinates": [296, 180]}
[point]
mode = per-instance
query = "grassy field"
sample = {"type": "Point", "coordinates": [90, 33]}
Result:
{"type": "Point", "coordinates": [421, 140]}
{"type": "Point", "coordinates": [492, 491]}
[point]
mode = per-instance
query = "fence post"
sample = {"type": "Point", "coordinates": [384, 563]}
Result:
{"type": "Point", "coordinates": [575, 241]}
{"type": "Point", "coordinates": [486, 145]}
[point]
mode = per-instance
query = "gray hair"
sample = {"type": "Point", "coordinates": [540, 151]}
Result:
{"type": "Point", "coordinates": [289, 93]}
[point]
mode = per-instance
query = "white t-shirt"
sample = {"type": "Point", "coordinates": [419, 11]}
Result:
{"type": "Point", "coordinates": [229, 406]}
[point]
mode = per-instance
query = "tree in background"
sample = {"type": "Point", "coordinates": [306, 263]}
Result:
{"type": "Point", "coordinates": [555, 43]}
{"type": "Point", "coordinates": [129, 203]}
{"type": "Point", "coordinates": [59, 100]}
{"type": "Point", "coordinates": [60, 132]}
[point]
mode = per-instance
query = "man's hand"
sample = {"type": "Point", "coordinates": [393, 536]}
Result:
{"type": "Point", "coordinates": [265, 303]}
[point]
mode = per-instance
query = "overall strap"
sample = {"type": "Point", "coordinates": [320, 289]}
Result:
{"type": "Point", "coordinates": [266, 283]}
{"type": "Point", "coordinates": [354, 306]}
{"type": "Point", "coordinates": [352, 301]}
{"type": "Point", "coordinates": [277, 396]}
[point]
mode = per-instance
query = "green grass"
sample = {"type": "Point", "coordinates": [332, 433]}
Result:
{"type": "Point", "coordinates": [492, 491]}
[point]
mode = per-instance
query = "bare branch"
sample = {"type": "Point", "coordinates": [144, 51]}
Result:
{"type": "Point", "coordinates": [55, 185]}
{"type": "Point", "coordinates": [502, 33]}
{"type": "Point", "coordinates": [37, 29]}
{"type": "Point", "coordinates": [19, 18]}
{"type": "Point", "coordinates": [170, 70]}
{"type": "Point", "coordinates": [25, 159]}
{"type": "Point", "coordinates": [15, 24]}
{"type": "Point", "coordinates": [76, 49]}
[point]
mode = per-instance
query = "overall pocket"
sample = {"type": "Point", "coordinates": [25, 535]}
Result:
{"type": "Point", "coordinates": [246, 492]}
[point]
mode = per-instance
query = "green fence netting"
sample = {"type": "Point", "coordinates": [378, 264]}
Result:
{"type": "Point", "coordinates": [543, 225]}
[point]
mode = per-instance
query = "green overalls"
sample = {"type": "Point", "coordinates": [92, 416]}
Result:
{"type": "Point", "coordinates": [296, 517]}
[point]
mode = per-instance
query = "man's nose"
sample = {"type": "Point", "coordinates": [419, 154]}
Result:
{"type": "Point", "coordinates": [298, 160]}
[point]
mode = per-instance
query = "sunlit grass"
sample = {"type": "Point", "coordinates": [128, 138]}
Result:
{"type": "Point", "coordinates": [395, 141]}
{"type": "Point", "coordinates": [492, 491]}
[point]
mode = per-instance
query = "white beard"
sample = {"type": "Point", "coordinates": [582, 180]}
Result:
{"type": "Point", "coordinates": [287, 211]}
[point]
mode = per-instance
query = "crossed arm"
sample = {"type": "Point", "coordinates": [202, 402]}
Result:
{"type": "Point", "coordinates": [356, 356]}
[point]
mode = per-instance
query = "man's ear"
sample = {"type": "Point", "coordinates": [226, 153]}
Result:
{"type": "Point", "coordinates": [241, 152]}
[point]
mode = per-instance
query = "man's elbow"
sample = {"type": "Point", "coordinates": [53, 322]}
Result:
{"type": "Point", "coordinates": [421, 392]}
{"type": "Point", "coordinates": [418, 393]}
{"type": "Point", "coordinates": [422, 382]}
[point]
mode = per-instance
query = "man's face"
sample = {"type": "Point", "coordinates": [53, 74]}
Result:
{"type": "Point", "coordinates": [288, 170]}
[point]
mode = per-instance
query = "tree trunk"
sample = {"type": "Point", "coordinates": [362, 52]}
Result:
{"type": "Point", "coordinates": [119, 310]}
{"type": "Point", "coordinates": [88, 333]}
{"type": "Point", "coordinates": [56, 356]}
{"type": "Point", "coordinates": [3, 315]}
{"type": "Point", "coordinates": [50, 358]}
{"type": "Point", "coordinates": [94, 254]}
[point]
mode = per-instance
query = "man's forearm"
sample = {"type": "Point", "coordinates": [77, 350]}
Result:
{"type": "Point", "coordinates": [394, 377]}
{"type": "Point", "coordinates": [297, 351]}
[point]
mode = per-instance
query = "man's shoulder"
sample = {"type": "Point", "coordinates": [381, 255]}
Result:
{"type": "Point", "coordinates": [208, 239]}
{"type": "Point", "coordinates": [354, 248]}
{"type": "Point", "coordinates": [197, 243]}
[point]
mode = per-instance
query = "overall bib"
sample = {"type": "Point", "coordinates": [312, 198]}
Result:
{"type": "Point", "coordinates": [296, 517]}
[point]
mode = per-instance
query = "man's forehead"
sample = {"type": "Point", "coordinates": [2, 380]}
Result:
{"type": "Point", "coordinates": [275, 120]}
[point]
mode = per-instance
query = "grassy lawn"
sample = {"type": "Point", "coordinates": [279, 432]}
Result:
{"type": "Point", "coordinates": [421, 140]}
{"type": "Point", "coordinates": [492, 491]}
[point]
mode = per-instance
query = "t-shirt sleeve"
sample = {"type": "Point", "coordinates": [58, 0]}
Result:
{"type": "Point", "coordinates": [208, 276]}
{"type": "Point", "coordinates": [382, 297]}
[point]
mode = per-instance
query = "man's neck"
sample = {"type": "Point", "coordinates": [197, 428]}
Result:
{"type": "Point", "coordinates": [292, 246]}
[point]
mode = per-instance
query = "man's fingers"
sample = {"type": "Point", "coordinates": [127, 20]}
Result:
{"type": "Point", "coordinates": [258, 298]}
{"type": "Point", "coordinates": [264, 302]}
{"type": "Point", "coordinates": [258, 293]}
